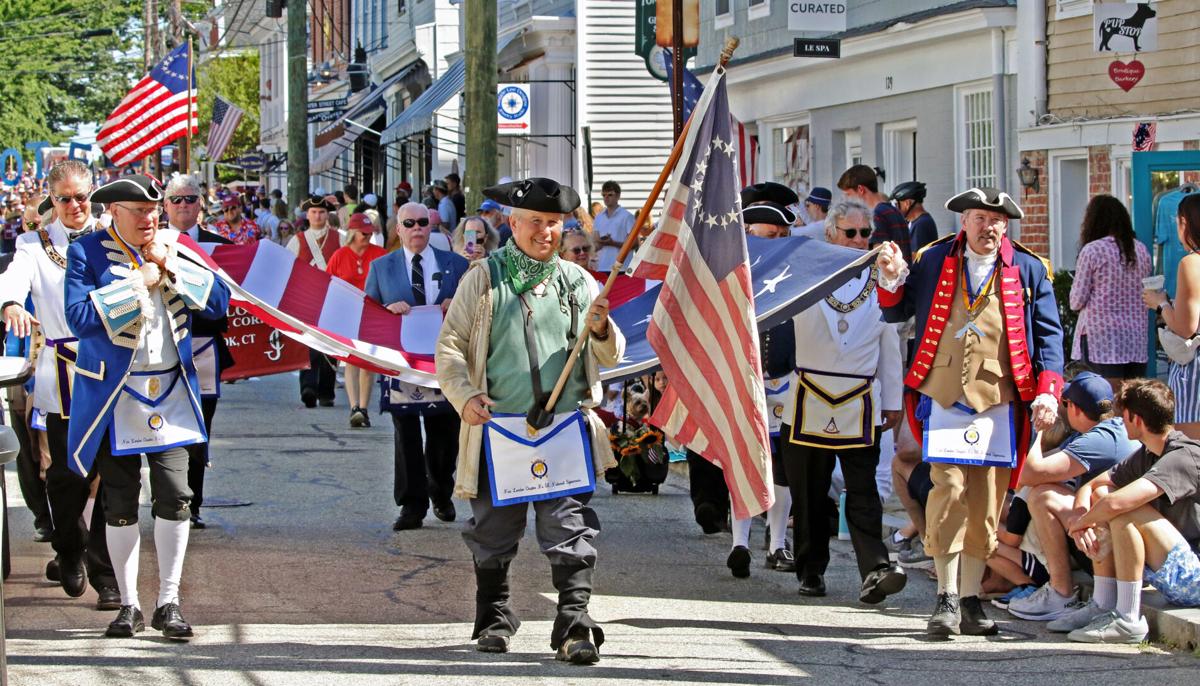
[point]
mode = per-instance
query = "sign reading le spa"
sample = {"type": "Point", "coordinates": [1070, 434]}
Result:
{"type": "Point", "coordinates": [820, 17]}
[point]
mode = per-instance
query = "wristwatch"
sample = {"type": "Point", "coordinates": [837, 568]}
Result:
{"type": "Point", "coordinates": [1161, 305]}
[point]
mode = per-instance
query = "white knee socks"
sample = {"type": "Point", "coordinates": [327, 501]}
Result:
{"type": "Point", "coordinates": [124, 543]}
{"type": "Point", "coordinates": [1129, 599]}
{"type": "Point", "coordinates": [947, 572]}
{"type": "Point", "coordinates": [741, 531]}
{"type": "Point", "coordinates": [972, 575]}
{"type": "Point", "coordinates": [777, 517]}
{"type": "Point", "coordinates": [1104, 592]}
{"type": "Point", "coordinates": [170, 543]}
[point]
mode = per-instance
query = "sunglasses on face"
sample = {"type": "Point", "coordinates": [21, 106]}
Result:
{"type": "Point", "coordinates": [409, 223]}
{"type": "Point", "coordinates": [64, 199]}
{"type": "Point", "coordinates": [580, 249]}
{"type": "Point", "coordinates": [862, 232]}
{"type": "Point", "coordinates": [183, 199]}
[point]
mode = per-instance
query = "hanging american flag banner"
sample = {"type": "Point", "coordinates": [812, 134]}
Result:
{"type": "Point", "coordinates": [703, 325]}
{"type": "Point", "coordinates": [154, 113]}
{"type": "Point", "coordinates": [225, 119]}
{"type": "Point", "coordinates": [747, 143]}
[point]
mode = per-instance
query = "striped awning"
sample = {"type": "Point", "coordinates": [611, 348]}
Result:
{"type": "Point", "coordinates": [418, 116]}
{"type": "Point", "coordinates": [335, 139]}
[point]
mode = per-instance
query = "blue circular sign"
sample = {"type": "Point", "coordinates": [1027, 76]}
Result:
{"type": "Point", "coordinates": [513, 102]}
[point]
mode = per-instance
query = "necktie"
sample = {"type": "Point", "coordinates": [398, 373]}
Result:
{"type": "Point", "coordinates": [72, 237]}
{"type": "Point", "coordinates": [418, 281]}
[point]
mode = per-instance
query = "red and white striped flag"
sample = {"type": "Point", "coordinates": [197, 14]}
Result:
{"type": "Point", "coordinates": [225, 119]}
{"type": "Point", "coordinates": [747, 155]}
{"type": "Point", "coordinates": [703, 327]}
{"type": "Point", "coordinates": [154, 113]}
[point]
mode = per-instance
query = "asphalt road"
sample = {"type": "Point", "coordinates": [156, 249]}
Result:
{"type": "Point", "coordinates": [308, 584]}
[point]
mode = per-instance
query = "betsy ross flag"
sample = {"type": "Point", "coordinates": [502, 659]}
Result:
{"type": "Point", "coordinates": [225, 118]}
{"type": "Point", "coordinates": [747, 143]}
{"type": "Point", "coordinates": [703, 326]}
{"type": "Point", "coordinates": [154, 113]}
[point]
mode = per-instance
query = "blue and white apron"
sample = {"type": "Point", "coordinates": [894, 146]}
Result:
{"type": "Point", "coordinates": [552, 463]}
{"type": "Point", "coordinates": [960, 435]}
{"type": "Point", "coordinates": [777, 392]}
{"type": "Point", "coordinates": [154, 412]}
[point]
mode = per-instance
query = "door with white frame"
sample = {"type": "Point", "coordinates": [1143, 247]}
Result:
{"type": "Point", "coordinates": [899, 153]}
{"type": "Point", "coordinates": [853, 148]}
{"type": "Point", "coordinates": [1068, 201]}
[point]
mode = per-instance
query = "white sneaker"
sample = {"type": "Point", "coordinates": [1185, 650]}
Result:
{"type": "Point", "coordinates": [1112, 628]}
{"type": "Point", "coordinates": [1080, 616]}
{"type": "Point", "coordinates": [1043, 605]}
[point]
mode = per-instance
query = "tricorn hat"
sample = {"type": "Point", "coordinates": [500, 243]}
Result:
{"type": "Point", "coordinates": [985, 198]}
{"type": "Point", "coordinates": [317, 202]}
{"type": "Point", "coordinates": [767, 212]}
{"type": "Point", "coordinates": [132, 188]}
{"type": "Point", "coordinates": [537, 194]}
{"type": "Point", "coordinates": [769, 191]}
{"type": "Point", "coordinates": [45, 205]}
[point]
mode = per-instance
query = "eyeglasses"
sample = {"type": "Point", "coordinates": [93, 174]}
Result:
{"type": "Point", "coordinates": [141, 212]}
{"type": "Point", "coordinates": [863, 232]}
{"type": "Point", "coordinates": [183, 199]}
{"type": "Point", "coordinates": [580, 249]}
{"type": "Point", "coordinates": [64, 199]}
{"type": "Point", "coordinates": [409, 223]}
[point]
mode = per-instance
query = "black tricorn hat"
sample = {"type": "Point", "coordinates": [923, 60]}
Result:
{"type": "Point", "coordinates": [45, 205]}
{"type": "Point", "coordinates": [317, 201]}
{"type": "Point", "coordinates": [537, 194]}
{"type": "Point", "coordinates": [769, 191]}
{"type": "Point", "coordinates": [132, 188]}
{"type": "Point", "coordinates": [985, 198]}
{"type": "Point", "coordinates": [767, 212]}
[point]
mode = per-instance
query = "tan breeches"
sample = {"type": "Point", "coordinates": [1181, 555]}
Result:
{"type": "Point", "coordinates": [963, 509]}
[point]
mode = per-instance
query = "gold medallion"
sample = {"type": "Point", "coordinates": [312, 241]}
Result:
{"type": "Point", "coordinates": [154, 386]}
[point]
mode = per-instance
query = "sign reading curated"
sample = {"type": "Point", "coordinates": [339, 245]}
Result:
{"type": "Point", "coordinates": [822, 17]}
{"type": "Point", "coordinates": [1124, 27]}
{"type": "Point", "coordinates": [512, 109]}
{"type": "Point", "coordinates": [258, 349]}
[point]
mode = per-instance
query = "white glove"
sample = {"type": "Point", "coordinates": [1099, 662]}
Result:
{"type": "Point", "coordinates": [1044, 411]}
{"type": "Point", "coordinates": [893, 269]}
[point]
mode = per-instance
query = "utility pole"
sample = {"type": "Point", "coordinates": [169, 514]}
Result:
{"type": "Point", "coordinates": [481, 98]}
{"type": "Point", "coordinates": [297, 111]}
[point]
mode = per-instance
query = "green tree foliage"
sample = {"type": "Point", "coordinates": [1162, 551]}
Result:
{"type": "Point", "coordinates": [235, 78]}
{"type": "Point", "coordinates": [51, 77]}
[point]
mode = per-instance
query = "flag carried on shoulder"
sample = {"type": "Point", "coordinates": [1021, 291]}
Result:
{"type": "Point", "coordinates": [225, 119]}
{"type": "Point", "coordinates": [703, 326]}
{"type": "Point", "coordinates": [154, 113]}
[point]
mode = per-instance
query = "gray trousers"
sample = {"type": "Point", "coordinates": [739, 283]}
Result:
{"type": "Point", "coordinates": [565, 528]}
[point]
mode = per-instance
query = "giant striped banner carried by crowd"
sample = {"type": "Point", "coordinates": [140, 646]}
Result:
{"type": "Point", "coordinates": [325, 313]}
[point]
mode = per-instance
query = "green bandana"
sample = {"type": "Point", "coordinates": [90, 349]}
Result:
{"type": "Point", "coordinates": [523, 271]}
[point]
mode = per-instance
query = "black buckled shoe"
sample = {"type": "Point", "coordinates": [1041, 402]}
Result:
{"type": "Point", "coordinates": [491, 643]}
{"type": "Point", "coordinates": [781, 561]}
{"type": "Point", "coordinates": [974, 621]}
{"type": "Point", "coordinates": [72, 576]}
{"type": "Point", "coordinates": [946, 618]}
{"type": "Point", "coordinates": [108, 598]}
{"type": "Point", "coordinates": [812, 585]}
{"type": "Point", "coordinates": [406, 522]}
{"type": "Point", "coordinates": [882, 582]}
{"type": "Point", "coordinates": [578, 648]}
{"type": "Point", "coordinates": [170, 622]}
{"type": "Point", "coordinates": [129, 621]}
{"type": "Point", "coordinates": [738, 562]}
{"type": "Point", "coordinates": [444, 511]}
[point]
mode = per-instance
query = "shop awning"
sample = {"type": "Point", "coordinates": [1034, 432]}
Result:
{"type": "Point", "coordinates": [362, 109]}
{"type": "Point", "coordinates": [418, 116]}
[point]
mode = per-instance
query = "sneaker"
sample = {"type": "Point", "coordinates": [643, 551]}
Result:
{"type": "Point", "coordinates": [1043, 604]}
{"type": "Point", "coordinates": [1081, 615]}
{"type": "Point", "coordinates": [893, 545]}
{"type": "Point", "coordinates": [1111, 627]}
{"type": "Point", "coordinates": [914, 556]}
{"type": "Point", "coordinates": [1018, 592]}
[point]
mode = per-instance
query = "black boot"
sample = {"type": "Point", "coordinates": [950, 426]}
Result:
{"type": "Point", "coordinates": [495, 621]}
{"type": "Point", "coordinates": [974, 621]}
{"type": "Point", "coordinates": [573, 625]}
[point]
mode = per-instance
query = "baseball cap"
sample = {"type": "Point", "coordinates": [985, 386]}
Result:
{"type": "Point", "coordinates": [489, 205]}
{"type": "Point", "coordinates": [1088, 390]}
{"type": "Point", "coordinates": [820, 196]}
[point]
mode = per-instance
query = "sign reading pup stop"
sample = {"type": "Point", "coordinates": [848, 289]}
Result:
{"type": "Point", "coordinates": [819, 17]}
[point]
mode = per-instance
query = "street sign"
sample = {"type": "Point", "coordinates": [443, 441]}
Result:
{"type": "Point", "coordinates": [824, 17]}
{"type": "Point", "coordinates": [335, 103]}
{"type": "Point", "coordinates": [328, 115]}
{"type": "Point", "coordinates": [512, 109]}
{"type": "Point", "coordinates": [644, 40]}
{"type": "Point", "coordinates": [251, 161]}
{"type": "Point", "coordinates": [817, 47]}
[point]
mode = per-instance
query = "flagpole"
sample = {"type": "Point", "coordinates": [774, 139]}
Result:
{"type": "Point", "coordinates": [187, 144]}
{"type": "Point", "coordinates": [642, 218]}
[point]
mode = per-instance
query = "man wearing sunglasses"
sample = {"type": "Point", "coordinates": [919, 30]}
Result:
{"type": "Point", "coordinates": [315, 246]}
{"type": "Point", "coordinates": [416, 275]}
{"type": "Point", "coordinates": [38, 269]}
{"type": "Point", "coordinates": [210, 354]}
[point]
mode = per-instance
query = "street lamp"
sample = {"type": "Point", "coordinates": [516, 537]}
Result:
{"type": "Point", "coordinates": [1028, 176]}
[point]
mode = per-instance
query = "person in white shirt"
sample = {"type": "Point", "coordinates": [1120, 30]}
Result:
{"type": "Point", "coordinates": [611, 226]}
{"type": "Point", "coordinates": [816, 206]}
{"type": "Point", "coordinates": [848, 391]}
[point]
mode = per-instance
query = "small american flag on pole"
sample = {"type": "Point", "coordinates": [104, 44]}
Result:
{"type": "Point", "coordinates": [154, 113]}
{"type": "Point", "coordinates": [225, 119]}
{"type": "Point", "coordinates": [703, 325]}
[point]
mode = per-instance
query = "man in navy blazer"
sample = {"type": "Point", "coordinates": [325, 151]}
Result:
{"type": "Point", "coordinates": [419, 274]}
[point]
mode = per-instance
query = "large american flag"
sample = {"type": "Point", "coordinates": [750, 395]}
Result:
{"type": "Point", "coordinates": [225, 118]}
{"type": "Point", "coordinates": [747, 142]}
{"type": "Point", "coordinates": [154, 113]}
{"type": "Point", "coordinates": [703, 325]}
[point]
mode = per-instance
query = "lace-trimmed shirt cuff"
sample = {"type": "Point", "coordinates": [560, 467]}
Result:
{"type": "Point", "coordinates": [891, 285]}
